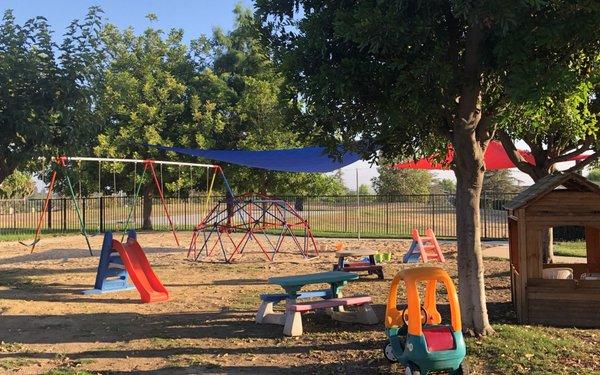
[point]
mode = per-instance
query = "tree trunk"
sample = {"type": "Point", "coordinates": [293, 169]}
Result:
{"type": "Point", "coordinates": [147, 207]}
{"type": "Point", "coordinates": [471, 133]}
{"type": "Point", "coordinates": [548, 246]}
{"type": "Point", "coordinates": [469, 182]}
{"type": "Point", "coordinates": [5, 170]}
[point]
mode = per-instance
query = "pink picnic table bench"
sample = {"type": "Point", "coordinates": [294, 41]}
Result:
{"type": "Point", "coordinates": [371, 268]}
{"type": "Point", "coordinates": [333, 303]}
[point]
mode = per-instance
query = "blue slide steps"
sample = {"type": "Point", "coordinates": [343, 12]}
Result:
{"type": "Point", "coordinates": [111, 275]}
{"type": "Point", "coordinates": [413, 254]}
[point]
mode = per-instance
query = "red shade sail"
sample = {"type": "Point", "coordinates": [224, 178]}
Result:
{"type": "Point", "coordinates": [495, 158]}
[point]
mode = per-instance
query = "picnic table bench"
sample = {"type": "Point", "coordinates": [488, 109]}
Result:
{"type": "Point", "coordinates": [372, 267]}
{"type": "Point", "coordinates": [333, 303]}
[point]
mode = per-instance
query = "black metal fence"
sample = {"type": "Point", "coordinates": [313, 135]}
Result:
{"type": "Point", "coordinates": [368, 216]}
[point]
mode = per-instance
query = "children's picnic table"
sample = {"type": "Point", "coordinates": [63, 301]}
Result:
{"type": "Point", "coordinates": [372, 267]}
{"type": "Point", "coordinates": [333, 301]}
{"type": "Point", "coordinates": [293, 284]}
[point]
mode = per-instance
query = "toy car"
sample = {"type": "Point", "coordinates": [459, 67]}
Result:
{"type": "Point", "coordinates": [417, 339]}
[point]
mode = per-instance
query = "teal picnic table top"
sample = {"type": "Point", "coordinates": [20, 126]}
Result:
{"type": "Point", "coordinates": [292, 284]}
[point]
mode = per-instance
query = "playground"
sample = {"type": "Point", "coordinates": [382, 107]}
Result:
{"type": "Point", "coordinates": [208, 324]}
{"type": "Point", "coordinates": [299, 187]}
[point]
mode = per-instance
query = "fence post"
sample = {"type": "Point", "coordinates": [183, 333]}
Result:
{"type": "Point", "coordinates": [101, 219]}
{"type": "Point", "coordinates": [49, 213]}
{"type": "Point", "coordinates": [484, 215]}
{"type": "Point", "coordinates": [185, 212]}
{"type": "Point", "coordinates": [432, 197]}
{"type": "Point", "coordinates": [346, 214]}
{"type": "Point", "coordinates": [309, 208]}
{"type": "Point", "coordinates": [14, 215]}
{"type": "Point", "coordinates": [83, 216]}
{"type": "Point", "coordinates": [64, 214]}
{"type": "Point", "coordinates": [387, 214]}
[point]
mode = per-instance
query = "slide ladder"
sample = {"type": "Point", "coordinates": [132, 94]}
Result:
{"type": "Point", "coordinates": [425, 247]}
{"type": "Point", "coordinates": [136, 267]}
{"type": "Point", "coordinates": [111, 275]}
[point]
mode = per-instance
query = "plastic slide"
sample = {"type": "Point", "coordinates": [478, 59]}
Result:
{"type": "Point", "coordinates": [141, 273]}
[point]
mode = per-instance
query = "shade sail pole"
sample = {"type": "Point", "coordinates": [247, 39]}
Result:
{"type": "Point", "coordinates": [357, 206]}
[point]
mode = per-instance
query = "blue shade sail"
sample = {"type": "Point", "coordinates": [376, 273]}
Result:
{"type": "Point", "coordinates": [307, 159]}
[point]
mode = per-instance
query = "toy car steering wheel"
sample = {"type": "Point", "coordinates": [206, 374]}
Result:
{"type": "Point", "coordinates": [424, 316]}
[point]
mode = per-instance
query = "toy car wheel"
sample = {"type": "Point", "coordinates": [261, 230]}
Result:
{"type": "Point", "coordinates": [463, 369]}
{"type": "Point", "coordinates": [388, 352]}
{"type": "Point", "coordinates": [411, 369]}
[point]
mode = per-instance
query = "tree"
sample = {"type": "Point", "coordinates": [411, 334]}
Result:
{"type": "Point", "coordinates": [408, 77]}
{"type": "Point", "coordinates": [556, 125]}
{"type": "Point", "coordinates": [44, 108]}
{"type": "Point", "coordinates": [594, 175]}
{"type": "Point", "coordinates": [364, 189]}
{"type": "Point", "coordinates": [222, 92]}
{"type": "Point", "coordinates": [82, 58]}
{"type": "Point", "coordinates": [17, 185]}
{"type": "Point", "coordinates": [29, 80]}
{"type": "Point", "coordinates": [500, 181]}
{"type": "Point", "coordinates": [239, 88]}
{"type": "Point", "coordinates": [402, 183]}
{"type": "Point", "coordinates": [148, 98]}
{"type": "Point", "coordinates": [444, 186]}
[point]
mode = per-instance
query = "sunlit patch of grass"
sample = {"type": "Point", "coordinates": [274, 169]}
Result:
{"type": "Point", "coordinates": [68, 371]}
{"type": "Point", "coordinates": [186, 360]}
{"type": "Point", "coordinates": [516, 349]}
{"type": "Point", "coordinates": [15, 363]}
{"type": "Point", "coordinates": [10, 347]}
{"type": "Point", "coordinates": [163, 342]}
{"type": "Point", "coordinates": [570, 249]}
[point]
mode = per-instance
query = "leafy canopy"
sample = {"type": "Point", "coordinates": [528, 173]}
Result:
{"type": "Point", "coordinates": [394, 73]}
{"type": "Point", "coordinates": [47, 94]}
{"type": "Point", "coordinates": [402, 181]}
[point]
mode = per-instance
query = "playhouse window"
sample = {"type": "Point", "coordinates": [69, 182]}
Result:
{"type": "Point", "coordinates": [579, 251]}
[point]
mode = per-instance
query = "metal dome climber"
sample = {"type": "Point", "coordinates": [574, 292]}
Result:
{"type": "Point", "coordinates": [255, 216]}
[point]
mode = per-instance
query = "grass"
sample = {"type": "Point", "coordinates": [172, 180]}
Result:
{"type": "Point", "coordinates": [68, 371]}
{"type": "Point", "coordinates": [10, 347]}
{"type": "Point", "coordinates": [375, 219]}
{"type": "Point", "coordinates": [533, 350]}
{"type": "Point", "coordinates": [163, 343]}
{"type": "Point", "coordinates": [570, 249]}
{"type": "Point", "coordinates": [15, 363]}
{"type": "Point", "coordinates": [28, 236]}
{"type": "Point", "coordinates": [14, 279]}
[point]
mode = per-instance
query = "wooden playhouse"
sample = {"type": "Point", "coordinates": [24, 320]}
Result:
{"type": "Point", "coordinates": [566, 294]}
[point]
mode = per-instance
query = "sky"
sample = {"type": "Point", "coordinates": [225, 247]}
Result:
{"type": "Point", "coordinates": [195, 17]}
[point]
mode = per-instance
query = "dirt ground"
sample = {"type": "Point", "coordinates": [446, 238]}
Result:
{"type": "Point", "coordinates": [207, 326]}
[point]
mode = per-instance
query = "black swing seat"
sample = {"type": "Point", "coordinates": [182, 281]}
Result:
{"type": "Point", "coordinates": [35, 241]}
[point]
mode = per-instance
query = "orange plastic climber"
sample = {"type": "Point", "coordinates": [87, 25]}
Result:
{"type": "Point", "coordinates": [427, 248]}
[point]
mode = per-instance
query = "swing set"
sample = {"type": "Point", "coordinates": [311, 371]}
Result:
{"type": "Point", "coordinates": [63, 162]}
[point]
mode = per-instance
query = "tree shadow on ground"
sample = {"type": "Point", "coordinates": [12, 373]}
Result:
{"type": "Point", "coordinates": [344, 366]}
{"type": "Point", "coordinates": [101, 327]}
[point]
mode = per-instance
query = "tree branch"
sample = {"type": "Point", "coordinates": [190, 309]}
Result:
{"type": "Point", "coordinates": [486, 129]}
{"type": "Point", "coordinates": [584, 163]}
{"type": "Point", "coordinates": [585, 146]}
{"type": "Point", "coordinates": [514, 155]}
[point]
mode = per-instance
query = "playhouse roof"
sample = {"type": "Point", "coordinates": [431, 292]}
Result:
{"type": "Point", "coordinates": [570, 181]}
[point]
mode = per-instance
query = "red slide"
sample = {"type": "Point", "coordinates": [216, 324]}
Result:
{"type": "Point", "coordinates": [140, 271]}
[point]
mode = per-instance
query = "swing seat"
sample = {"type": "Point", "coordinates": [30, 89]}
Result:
{"type": "Point", "coordinates": [30, 244]}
